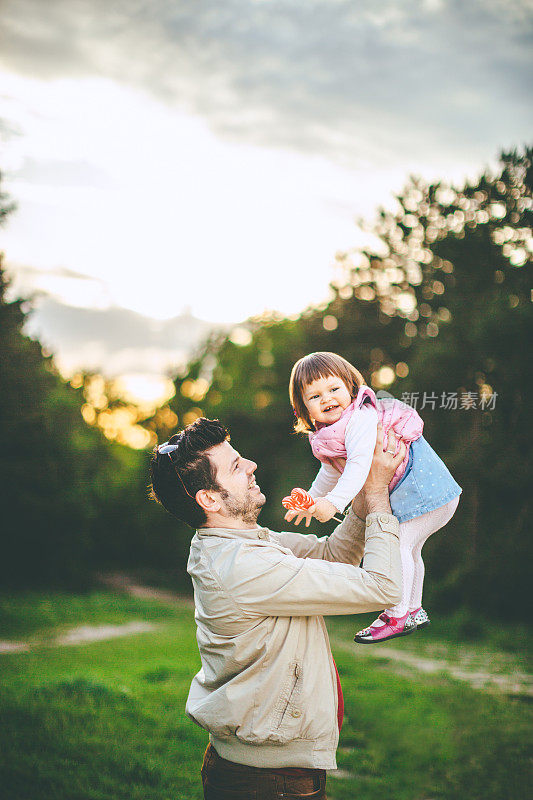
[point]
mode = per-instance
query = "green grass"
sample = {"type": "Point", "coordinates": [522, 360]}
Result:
{"type": "Point", "coordinates": [425, 736]}
{"type": "Point", "coordinates": [106, 720]}
{"type": "Point", "coordinates": [461, 641]}
{"type": "Point", "coordinates": [31, 614]}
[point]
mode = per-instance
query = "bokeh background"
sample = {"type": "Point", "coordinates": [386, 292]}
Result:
{"type": "Point", "coordinates": [194, 196]}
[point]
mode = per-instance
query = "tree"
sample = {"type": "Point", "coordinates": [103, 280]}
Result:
{"type": "Point", "coordinates": [441, 306]}
{"type": "Point", "coordinates": [455, 265]}
{"type": "Point", "coordinates": [71, 500]}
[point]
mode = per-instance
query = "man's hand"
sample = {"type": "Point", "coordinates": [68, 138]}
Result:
{"type": "Point", "coordinates": [374, 495]}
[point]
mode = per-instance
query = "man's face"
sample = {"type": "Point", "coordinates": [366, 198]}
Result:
{"type": "Point", "coordinates": [240, 495]}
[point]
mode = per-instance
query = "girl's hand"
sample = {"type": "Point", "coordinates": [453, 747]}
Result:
{"type": "Point", "coordinates": [300, 504]}
{"type": "Point", "coordinates": [323, 510]}
{"type": "Point", "coordinates": [300, 515]}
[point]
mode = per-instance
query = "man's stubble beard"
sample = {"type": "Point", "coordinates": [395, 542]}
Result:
{"type": "Point", "coordinates": [247, 509]}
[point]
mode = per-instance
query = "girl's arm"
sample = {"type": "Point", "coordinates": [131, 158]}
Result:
{"type": "Point", "coordinates": [360, 440]}
{"type": "Point", "coordinates": [324, 482]}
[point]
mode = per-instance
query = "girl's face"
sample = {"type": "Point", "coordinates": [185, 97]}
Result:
{"type": "Point", "coordinates": [326, 399]}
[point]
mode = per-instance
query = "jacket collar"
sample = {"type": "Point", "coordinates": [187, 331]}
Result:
{"type": "Point", "coordinates": [236, 533]}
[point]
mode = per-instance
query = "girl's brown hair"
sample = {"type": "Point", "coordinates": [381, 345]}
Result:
{"type": "Point", "coordinates": [309, 369]}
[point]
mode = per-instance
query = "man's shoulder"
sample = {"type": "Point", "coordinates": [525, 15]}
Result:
{"type": "Point", "coordinates": [225, 539]}
{"type": "Point", "coordinates": [230, 555]}
{"type": "Point", "coordinates": [252, 536]}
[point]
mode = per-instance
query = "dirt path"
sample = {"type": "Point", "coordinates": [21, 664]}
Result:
{"type": "Point", "coordinates": [512, 682]}
{"type": "Point", "coordinates": [85, 634]}
{"type": "Point", "coordinates": [123, 583]}
{"type": "Point", "coordinates": [515, 682]}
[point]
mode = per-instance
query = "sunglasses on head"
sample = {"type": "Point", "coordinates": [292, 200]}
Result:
{"type": "Point", "coordinates": [168, 449]}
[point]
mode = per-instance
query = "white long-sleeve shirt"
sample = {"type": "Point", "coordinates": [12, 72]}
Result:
{"type": "Point", "coordinates": [360, 441]}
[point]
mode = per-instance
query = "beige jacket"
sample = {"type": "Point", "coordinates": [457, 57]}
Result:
{"type": "Point", "coordinates": [267, 690]}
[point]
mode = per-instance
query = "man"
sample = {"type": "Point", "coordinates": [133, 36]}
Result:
{"type": "Point", "coordinates": [268, 692]}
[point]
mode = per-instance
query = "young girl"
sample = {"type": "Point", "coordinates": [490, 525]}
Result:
{"type": "Point", "coordinates": [341, 415]}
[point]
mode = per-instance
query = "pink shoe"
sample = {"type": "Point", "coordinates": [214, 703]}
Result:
{"type": "Point", "coordinates": [391, 627]}
{"type": "Point", "coordinates": [420, 617]}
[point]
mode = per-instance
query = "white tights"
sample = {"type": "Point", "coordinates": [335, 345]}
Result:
{"type": "Point", "coordinates": [413, 535]}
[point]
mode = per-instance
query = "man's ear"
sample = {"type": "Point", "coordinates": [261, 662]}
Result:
{"type": "Point", "coordinates": [208, 501]}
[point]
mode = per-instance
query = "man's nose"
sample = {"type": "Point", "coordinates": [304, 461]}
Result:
{"type": "Point", "coordinates": [252, 466]}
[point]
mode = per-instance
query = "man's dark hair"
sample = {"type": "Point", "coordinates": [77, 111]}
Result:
{"type": "Point", "coordinates": [179, 474]}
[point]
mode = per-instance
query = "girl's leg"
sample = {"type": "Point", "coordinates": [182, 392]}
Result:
{"type": "Point", "coordinates": [381, 629]}
{"type": "Point", "coordinates": [413, 535]}
{"type": "Point", "coordinates": [432, 522]}
{"type": "Point", "coordinates": [415, 600]}
{"type": "Point", "coordinates": [408, 537]}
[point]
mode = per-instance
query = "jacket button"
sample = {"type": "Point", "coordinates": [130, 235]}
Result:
{"type": "Point", "coordinates": [262, 534]}
{"type": "Point", "coordinates": [296, 713]}
{"type": "Point", "coordinates": [383, 519]}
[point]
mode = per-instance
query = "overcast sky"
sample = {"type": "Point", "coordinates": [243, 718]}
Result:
{"type": "Point", "coordinates": [214, 155]}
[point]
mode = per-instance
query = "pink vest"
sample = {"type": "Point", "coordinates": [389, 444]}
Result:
{"type": "Point", "coordinates": [327, 442]}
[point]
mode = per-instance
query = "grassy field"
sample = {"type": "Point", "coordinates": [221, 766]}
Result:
{"type": "Point", "coordinates": [105, 721]}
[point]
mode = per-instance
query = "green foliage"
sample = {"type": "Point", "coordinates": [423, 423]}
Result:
{"type": "Point", "coordinates": [71, 500]}
{"type": "Point", "coordinates": [464, 258]}
{"type": "Point", "coordinates": [444, 302]}
{"type": "Point", "coordinates": [49, 459]}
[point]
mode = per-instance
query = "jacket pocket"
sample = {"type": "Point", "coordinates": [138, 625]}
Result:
{"type": "Point", "coordinates": [285, 709]}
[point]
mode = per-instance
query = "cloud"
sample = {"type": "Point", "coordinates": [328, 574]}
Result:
{"type": "Point", "coordinates": [351, 80]}
{"type": "Point", "coordinates": [55, 172]}
{"type": "Point", "coordinates": [114, 341]}
{"type": "Point", "coordinates": [60, 283]}
{"type": "Point", "coordinates": [428, 86]}
{"type": "Point", "coordinates": [106, 339]}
